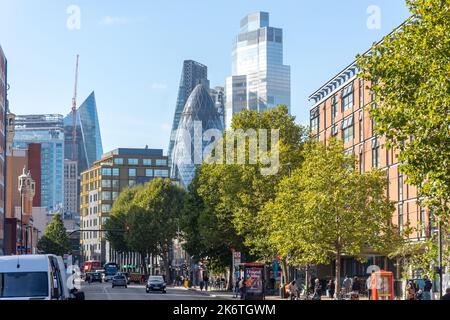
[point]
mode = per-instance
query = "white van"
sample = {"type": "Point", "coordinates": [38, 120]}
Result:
{"type": "Point", "coordinates": [33, 277]}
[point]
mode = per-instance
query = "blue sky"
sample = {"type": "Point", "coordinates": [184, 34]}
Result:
{"type": "Point", "coordinates": [132, 53]}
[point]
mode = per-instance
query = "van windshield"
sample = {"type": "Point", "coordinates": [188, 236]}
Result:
{"type": "Point", "coordinates": [23, 285]}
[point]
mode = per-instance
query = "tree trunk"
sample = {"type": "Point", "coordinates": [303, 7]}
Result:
{"type": "Point", "coordinates": [338, 273]}
{"type": "Point", "coordinates": [231, 277]}
{"type": "Point", "coordinates": [143, 264]}
{"type": "Point", "coordinates": [285, 271]}
{"type": "Point", "coordinates": [166, 267]}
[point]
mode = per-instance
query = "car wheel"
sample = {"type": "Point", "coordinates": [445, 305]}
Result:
{"type": "Point", "coordinates": [126, 287]}
{"type": "Point", "coordinates": [147, 290]}
{"type": "Point", "coordinates": [113, 286]}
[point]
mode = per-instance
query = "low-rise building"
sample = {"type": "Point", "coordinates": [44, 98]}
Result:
{"type": "Point", "coordinates": [100, 187]}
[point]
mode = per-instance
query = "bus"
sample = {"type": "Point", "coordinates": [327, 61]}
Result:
{"type": "Point", "coordinates": [111, 269]}
{"type": "Point", "coordinates": [91, 266]}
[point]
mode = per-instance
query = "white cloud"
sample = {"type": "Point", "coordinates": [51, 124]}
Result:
{"type": "Point", "coordinates": [110, 20]}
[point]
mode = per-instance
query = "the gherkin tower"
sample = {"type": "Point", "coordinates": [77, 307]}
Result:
{"type": "Point", "coordinates": [199, 110]}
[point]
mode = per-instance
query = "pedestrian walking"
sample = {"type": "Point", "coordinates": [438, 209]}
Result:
{"type": "Point", "coordinates": [293, 290]}
{"type": "Point", "coordinates": [427, 289]}
{"type": "Point", "coordinates": [331, 287]}
{"type": "Point", "coordinates": [347, 284]}
{"type": "Point", "coordinates": [317, 290]}
{"type": "Point", "coordinates": [242, 288]}
{"type": "Point", "coordinates": [446, 296]}
{"type": "Point", "coordinates": [237, 287]}
{"type": "Point", "coordinates": [202, 285]}
{"type": "Point", "coordinates": [356, 288]}
{"type": "Point", "coordinates": [410, 291]}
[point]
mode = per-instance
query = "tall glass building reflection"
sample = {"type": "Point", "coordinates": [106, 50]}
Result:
{"type": "Point", "coordinates": [193, 74]}
{"type": "Point", "coordinates": [259, 80]}
{"type": "Point", "coordinates": [48, 130]}
{"type": "Point", "coordinates": [199, 115]}
{"type": "Point", "coordinates": [88, 141]}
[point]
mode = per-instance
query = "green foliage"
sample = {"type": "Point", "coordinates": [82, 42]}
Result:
{"type": "Point", "coordinates": [149, 215]}
{"type": "Point", "coordinates": [55, 239]}
{"type": "Point", "coordinates": [222, 206]}
{"type": "Point", "coordinates": [410, 75]}
{"type": "Point", "coordinates": [327, 209]}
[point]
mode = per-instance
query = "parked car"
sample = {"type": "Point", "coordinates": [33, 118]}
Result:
{"type": "Point", "coordinates": [119, 281]}
{"type": "Point", "coordinates": [34, 277]}
{"type": "Point", "coordinates": [156, 283]}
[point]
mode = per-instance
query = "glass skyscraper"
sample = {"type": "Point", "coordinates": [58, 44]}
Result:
{"type": "Point", "coordinates": [189, 143]}
{"type": "Point", "coordinates": [48, 130]}
{"type": "Point", "coordinates": [88, 141]}
{"type": "Point", "coordinates": [193, 74]}
{"type": "Point", "coordinates": [259, 81]}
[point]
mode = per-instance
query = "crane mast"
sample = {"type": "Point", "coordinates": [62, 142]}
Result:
{"type": "Point", "coordinates": [74, 112]}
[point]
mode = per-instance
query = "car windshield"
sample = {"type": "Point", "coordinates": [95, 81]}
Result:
{"type": "Point", "coordinates": [23, 284]}
{"type": "Point", "coordinates": [119, 277]}
{"type": "Point", "coordinates": [156, 279]}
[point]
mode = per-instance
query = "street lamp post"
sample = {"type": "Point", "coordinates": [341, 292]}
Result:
{"type": "Point", "coordinates": [22, 185]}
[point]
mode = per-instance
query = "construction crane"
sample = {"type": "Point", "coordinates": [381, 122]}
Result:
{"type": "Point", "coordinates": [74, 113]}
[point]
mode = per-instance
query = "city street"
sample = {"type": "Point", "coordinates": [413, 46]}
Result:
{"type": "Point", "coordinates": [104, 291]}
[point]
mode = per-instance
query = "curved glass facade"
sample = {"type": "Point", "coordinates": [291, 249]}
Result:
{"type": "Point", "coordinates": [199, 116]}
{"type": "Point", "coordinates": [88, 141]}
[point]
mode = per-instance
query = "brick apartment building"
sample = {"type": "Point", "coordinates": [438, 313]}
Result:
{"type": "Point", "coordinates": [341, 109]}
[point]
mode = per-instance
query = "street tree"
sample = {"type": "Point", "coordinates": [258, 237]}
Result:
{"type": "Point", "coordinates": [55, 239]}
{"type": "Point", "coordinates": [327, 209]}
{"type": "Point", "coordinates": [116, 225]}
{"type": "Point", "coordinates": [154, 219]}
{"type": "Point", "coordinates": [410, 75]}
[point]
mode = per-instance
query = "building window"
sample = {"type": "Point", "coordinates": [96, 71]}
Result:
{"type": "Point", "coordinates": [361, 160]}
{"type": "Point", "coordinates": [361, 93]}
{"type": "Point", "coordinates": [162, 173]}
{"type": "Point", "coordinates": [422, 222]}
{"type": "Point", "coordinates": [347, 97]}
{"type": "Point", "coordinates": [149, 172]}
{"type": "Point", "coordinates": [106, 208]}
{"type": "Point", "coordinates": [132, 172]}
{"type": "Point", "coordinates": [400, 187]}
{"type": "Point", "coordinates": [133, 162]}
{"type": "Point", "coordinates": [334, 108]}
{"type": "Point", "coordinates": [116, 172]}
{"type": "Point", "coordinates": [161, 162]}
{"type": "Point", "coordinates": [116, 184]}
{"type": "Point", "coordinates": [106, 183]}
{"type": "Point", "coordinates": [131, 183]}
{"type": "Point", "coordinates": [147, 162]}
{"type": "Point", "coordinates": [315, 120]}
{"type": "Point", "coordinates": [400, 218]}
{"type": "Point", "coordinates": [106, 172]}
{"type": "Point", "coordinates": [375, 153]}
{"type": "Point", "coordinates": [118, 161]}
{"type": "Point", "coordinates": [106, 196]}
{"type": "Point", "coordinates": [361, 126]}
{"type": "Point", "coordinates": [348, 129]}
{"type": "Point", "coordinates": [115, 195]}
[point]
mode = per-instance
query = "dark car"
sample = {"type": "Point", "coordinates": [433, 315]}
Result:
{"type": "Point", "coordinates": [95, 277]}
{"type": "Point", "coordinates": [119, 281]}
{"type": "Point", "coordinates": [156, 283]}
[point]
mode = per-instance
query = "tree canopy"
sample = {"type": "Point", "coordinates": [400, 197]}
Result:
{"type": "Point", "coordinates": [55, 239]}
{"type": "Point", "coordinates": [410, 76]}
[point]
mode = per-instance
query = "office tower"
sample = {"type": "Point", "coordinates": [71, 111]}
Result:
{"type": "Point", "coordinates": [218, 96]}
{"type": "Point", "coordinates": [88, 139]}
{"type": "Point", "coordinates": [258, 72]}
{"type": "Point", "coordinates": [189, 142]}
{"type": "Point", "coordinates": [48, 131]}
{"type": "Point", "coordinates": [100, 187]}
{"type": "Point", "coordinates": [193, 74]}
{"type": "Point", "coordinates": [3, 110]}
